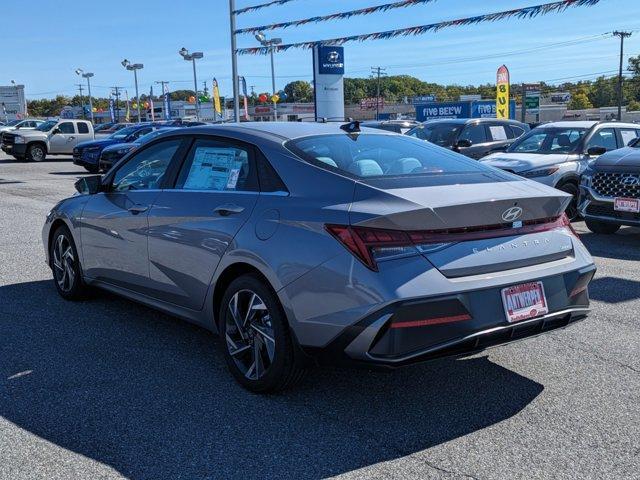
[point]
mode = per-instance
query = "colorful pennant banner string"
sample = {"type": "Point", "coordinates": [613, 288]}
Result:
{"type": "Point", "coordinates": [335, 16]}
{"type": "Point", "coordinates": [526, 12]}
{"type": "Point", "coordinates": [261, 6]}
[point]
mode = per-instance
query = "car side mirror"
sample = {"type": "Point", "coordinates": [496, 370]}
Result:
{"type": "Point", "coordinates": [463, 143]}
{"type": "Point", "coordinates": [633, 142]}
{"type": "Point", "coordinates": [55, 131]}
{"type": "Point", "coordinates": [596, 151]}
{"type": "Point", "coordinates": [89, 185]}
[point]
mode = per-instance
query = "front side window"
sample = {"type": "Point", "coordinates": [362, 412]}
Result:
{"type": "Point", "coordinates": [217, 166]}
{"type": "Point", "coordinates": [441, 134]}
{"type": "Point", "coordinates": [66, 127]}
{"type": "Point", "coordinates": [474, 133]}
{"type": "Point", "coordinates": [136, 135]}
{"type": "Point", "coordinates": [605, 137]}
{"type": "Point", "coordinates": [549, 140]}
{"type": "Point", "coordinates": [377, 155]}
{"type": "Point", "coordinates": [145, 170]}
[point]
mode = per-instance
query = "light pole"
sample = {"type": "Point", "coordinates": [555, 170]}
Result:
{"type": "Point", "coordinates": [135, 67]}
{"type": "Point", "coordinates": [88, 76]}
{"type": "Point", "coordinates": [192, 57]}
{"type": "Point", "coordinates": [271, 44]}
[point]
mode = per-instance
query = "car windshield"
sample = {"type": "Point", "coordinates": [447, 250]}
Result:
{"type": "Point", "coordinates": [379, 155]}
{"type": "Point", "coordinates": [442, 134]}
{"type": "Point", "coordinates": [46, 126]}
{"type": "Point", "coordinates": [124, 133]}
{"type": "Point", "coordinates": [549, 140]}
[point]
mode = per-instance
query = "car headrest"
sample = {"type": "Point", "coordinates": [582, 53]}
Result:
{"type": "Point", "coordinates": [564, 141]}
{"type": "Point", "coordinates": [365, 168]}
{"type": "Point", "coordinates": [328, 161]}
{"type": "Point", "coordinates": [404, 165]}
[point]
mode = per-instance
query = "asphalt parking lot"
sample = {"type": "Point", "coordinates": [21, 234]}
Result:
{"type": "Point", "coordinates": [109, 389]}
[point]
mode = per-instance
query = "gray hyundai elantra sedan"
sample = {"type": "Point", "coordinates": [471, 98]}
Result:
{"type": "Point", "coordinates": [309, 243]}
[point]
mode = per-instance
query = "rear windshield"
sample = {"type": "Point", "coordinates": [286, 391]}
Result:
{"type": "Point", "coordinates": [378, 155]}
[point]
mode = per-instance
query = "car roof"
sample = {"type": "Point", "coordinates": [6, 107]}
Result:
{"type": "Point", "coordinates": [279, 131]}
{"type": "Point", "coordinates": [464, 121]}
{"type": "Point", "coordinates": [587, 124]}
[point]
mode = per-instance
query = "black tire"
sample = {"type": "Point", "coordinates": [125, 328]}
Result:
{"type": "Point", "coordinates": [572, 209]}
{"type": "Point", "coordinates": [604, 228]}
{"type": "Point", "coordinates": [36, 153]}
{"type": "Point", "coordinates": [65, 265]}
{"type": "Point", "coordinates": [280, 366]}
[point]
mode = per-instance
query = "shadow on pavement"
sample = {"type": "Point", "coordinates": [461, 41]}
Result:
{"type": "Point", "coordinates": [614, 290]}
{"type": "Point", "coordinates": [150, 396]}
{"type": "Point", "coordinates": [622, 245]}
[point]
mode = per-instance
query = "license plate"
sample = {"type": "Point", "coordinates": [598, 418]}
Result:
{"type": "Point", "coordinates": [627, 205]}
{"type": "Point", "coordinates": [524, 301]}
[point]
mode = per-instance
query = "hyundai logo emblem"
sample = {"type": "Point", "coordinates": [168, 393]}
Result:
{"type": "Point", "coordinates": [630, 181]}
{"type": "Point", "coordinates": [512, 214]}
{"type": "Point", "coordinates": [333, 57]}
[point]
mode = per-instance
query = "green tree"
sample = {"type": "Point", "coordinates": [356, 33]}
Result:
{"type": "Point", "coordinates": [580, 101]}
{"type": "Point", "coordinates": [299, 91]}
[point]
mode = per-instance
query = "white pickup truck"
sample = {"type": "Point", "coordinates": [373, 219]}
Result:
{"type": "Point", "coordinates": [53, 137]}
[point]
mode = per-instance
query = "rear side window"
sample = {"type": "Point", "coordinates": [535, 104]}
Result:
{"type": "Point", "coordinates": [628, 134]}
{"type": "Point", "coordinates": [218, 166]}
{"type": "Point", "coordinates": [378, 155]}
{"type": "Point", "coordinates": [498, 132]}
{"type": "Point", "coordinates": [83, 127]}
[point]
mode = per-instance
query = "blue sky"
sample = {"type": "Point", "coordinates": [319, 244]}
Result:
{"type": "Point", "coordinates": [45, 41]}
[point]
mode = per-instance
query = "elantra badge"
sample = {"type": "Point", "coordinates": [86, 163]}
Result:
{"type": "Point", "coordinates": [512, 214]}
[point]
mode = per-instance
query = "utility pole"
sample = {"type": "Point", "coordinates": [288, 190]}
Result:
{"type": "Point", "coordinates": [234, 61]}
{"type": "Point", "coordinates": [165, 101]}
{"type": "Point", "coordinates": [622, 36]}
{"type": "Point", "coordinates": [378, 72]}
{"type": "Point", "coordinates": [80, 87]}
{"type": "Point", "coordinates": [116, 93]}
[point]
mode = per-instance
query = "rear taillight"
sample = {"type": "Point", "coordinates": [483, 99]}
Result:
{"type": "Point", "coordinates": [372, 244]}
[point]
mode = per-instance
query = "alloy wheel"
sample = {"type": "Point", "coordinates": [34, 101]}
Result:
{"type": "Point", "coordinates": [37, 154]}
{"type": "Point", "coordinates": [64, 263]}
{"type": "Point", "coordinates": [249, 334]}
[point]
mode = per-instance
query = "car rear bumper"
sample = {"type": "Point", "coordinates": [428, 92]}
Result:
{"type": "Point", "coordinates": [599, 208]}
{"type": "Point", "coordinates": [462, 324]}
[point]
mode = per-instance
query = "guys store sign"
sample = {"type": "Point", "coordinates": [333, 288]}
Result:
{"type": "Point", "coordinates": [473, 109]}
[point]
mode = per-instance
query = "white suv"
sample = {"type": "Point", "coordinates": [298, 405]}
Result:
{"type": "Point", "coordinates": [557, 153]}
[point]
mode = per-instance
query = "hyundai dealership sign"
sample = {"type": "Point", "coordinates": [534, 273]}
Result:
{"type": "Point", "coordinates": [328, 85]}
{"type": "Point", "coordinates": [474, 109]}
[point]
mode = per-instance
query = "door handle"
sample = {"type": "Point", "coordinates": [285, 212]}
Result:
{"type": "Point", "coordinates": [136, 209]}
{"type": "Point", "coordinates": [227, 209]}
{"type": "Point", "coordinates": [72, 138]}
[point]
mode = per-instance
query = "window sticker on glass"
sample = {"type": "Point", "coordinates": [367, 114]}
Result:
{"type": "Point", "coordinates": [627, 136]}
{"type": "Point", "coordinates": [498, 132]}
{"type": "Point", "coordinates": [213, 169]}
